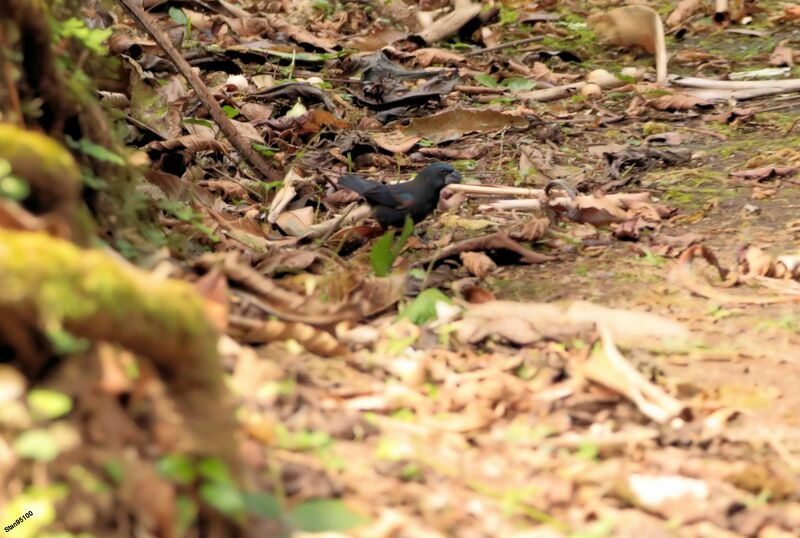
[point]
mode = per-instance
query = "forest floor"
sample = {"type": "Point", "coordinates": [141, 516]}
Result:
{"type": "Point", "coordinates": [502, 404]}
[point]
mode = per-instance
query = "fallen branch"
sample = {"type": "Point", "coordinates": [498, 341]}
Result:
{"type": "Point", "coordinates": [497, 241]}
{"type": "Point", "coordinates": [203, 93]}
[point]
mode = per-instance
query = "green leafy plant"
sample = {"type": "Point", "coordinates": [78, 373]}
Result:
{"type": "Point", "coordinates": [386, 249]}
{"type": "Point", "coordinates": [423, 308]}
{"type": "Point", "coordinates": [91, 38]}
{"type": "Point", "coordinates": [11, 186]}
{"type": "Point", "coordinates": [486, 80]}
{"type": "Point", "coordinates": [230, 111]}
{"type": "Point", "coordinates": [320, 515]}
{"type": "Point", "coordinates": [177, 15]}
{"type": "Point", "coordinates": [96, 151]}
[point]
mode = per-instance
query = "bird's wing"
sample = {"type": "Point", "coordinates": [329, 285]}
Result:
{"type": "Point", "coordinates": [376, 193]}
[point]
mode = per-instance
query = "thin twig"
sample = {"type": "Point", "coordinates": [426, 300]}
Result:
{"type": "Point", "coordinates": [501, 46]}
{"type": "Point", "coordinates": [338, 222]}
{"type": "Point", "coordinates": [203, 93]}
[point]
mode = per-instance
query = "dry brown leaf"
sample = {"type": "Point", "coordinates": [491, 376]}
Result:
{"type": "Point", "coordinates": [478, 263]}
{"type": "Point", "coordinates": [396, 141]}
{"type": "Point", "coordinates": [691, 57]}
{"type": "Point", "coordinates": [428, 56]}
{"type": "Point", "coordinates": [766, 172]}
{"type": "Point", "coordinates": [453, 124]}
{"type": "Point", "coordinates": [301, 35]}
{"type": "Point", "coordinates": [791, 13]}
{"type": "Point", "coordinates": [286, 261]}
{"type": "Point", "coordinates": [296, 223]}
{"type": "Point", "coordinates": [533, 230]}
{"type": "Point", "coordinates": [471, 152]}
{"type": "Point", "coordinates": [310, 122]}
{"type": "Point", "coordinates": [756, 262]}
{"type": "Point", "coordinates": [734, 115]}
{"type": "Point", "coordinates": [190, 143]}
{"type": "Point", "coordinates": [477, 295]}
{"type": "Point", "coordinates": [684, 10]}
{"type": "Point", "coordinates": [540, 71]}
{"type": "Point", "coordinates": [229, 190]}
{"type": "Point", "coordinates": [525, 323]}
{"type": "Point", "coordinates": [782, 56]}
{"type": "Point", "coordinates": [376, 39]}
{"type": "Point", "coordinates": [148, 495]}
{"type": "Point", "coordinates": [257, 112]}
{"type": "Point", "coordinates": [213, 287]}
{"type": "Point", "coordinates": [678, 101]}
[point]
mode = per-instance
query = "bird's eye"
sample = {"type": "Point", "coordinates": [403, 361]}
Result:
{"type": "Point", "coordinates": [442, 172]}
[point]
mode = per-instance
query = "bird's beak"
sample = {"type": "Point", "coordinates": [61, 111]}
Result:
{"type": "Point", "coordinates": [452, 177]}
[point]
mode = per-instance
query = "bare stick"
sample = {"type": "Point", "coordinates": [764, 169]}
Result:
{"type": "Point", "coordinates": [501, 46]}
{"type": "Point", "coordinates": [338, 222]}
{"type": "Point", "coordinates": [496, 241]}
{"type": "Point", "coordinates": [225, 124]}
{"type": "Point", "coordinates": [491, 190]}
{"type": "Point", "coordinates": [529, 204]}
{"type": "Point", "coordinates": [792, 84]}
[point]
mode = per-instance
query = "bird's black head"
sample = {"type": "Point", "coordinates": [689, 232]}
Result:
{"type": "Point", "coordinates": [441, 175]}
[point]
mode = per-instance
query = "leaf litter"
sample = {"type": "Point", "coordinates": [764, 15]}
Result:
{"type": "Point", "coordinates": [488, 373]}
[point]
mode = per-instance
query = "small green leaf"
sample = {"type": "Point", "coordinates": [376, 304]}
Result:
{"type": "Point", "coordinates": [325, 515]}
{"type": "Point", "coordinates": [198, 121]}
{"type": "Point", "coordinates": [187, 513]}
{"type": "Point", "coordinates": [486, 80]}
{"type": "Point", "coordinates": [214, 470]}
{"type": "Point", "coordinates": [177, 15]}
{"type": "Point", "coordinates": [588, 451]}
{"type": "Point", "coordinates": [423, 308]}
{"type": "Point", "coordinates": [37, 445]}
{"type": "Point", "coordinates": [230, 111]}
{"type": "Point", "coordinates": [297, 110]}
{"type": "Point", "coordinates": [63, 341]}
{"type": "Point", "coordinates": [263, 505]}
{"type": "Point", "coordinates": [176, 468]}
{"type": "Point", "coordinates": [519, 84]}
{"type": "Point", "coordinates": [224, 497]}
{"type": "Point", "coordinates": [14, 188]}
{"type": "Point", "coordinates": [417, 273]}
{"type": "Point", "coordinates": [114, 470]}
{"type": "Point", "coordinates": [87, 147]}
{"type": "Point", "coordinates": [266, 151]}
{"type": "Point", "coordinates": [408, 229]}
{"type": "Point", "coordinates": [381, 255]}
{"type": "Point", "coordinates": [49, 404]}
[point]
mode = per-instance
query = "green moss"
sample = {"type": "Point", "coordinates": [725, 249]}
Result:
{"type": "Point", "coordinates": [65, 285]}
{"type": "Point", "coordinates": [38, 158]}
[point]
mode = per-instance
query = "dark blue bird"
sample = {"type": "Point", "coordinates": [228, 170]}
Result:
{"type": "Point", "coordinates": [417, 198]}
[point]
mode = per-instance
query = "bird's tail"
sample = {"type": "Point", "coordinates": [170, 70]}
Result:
{"type": "Point", "coordinates": [356, 183]}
